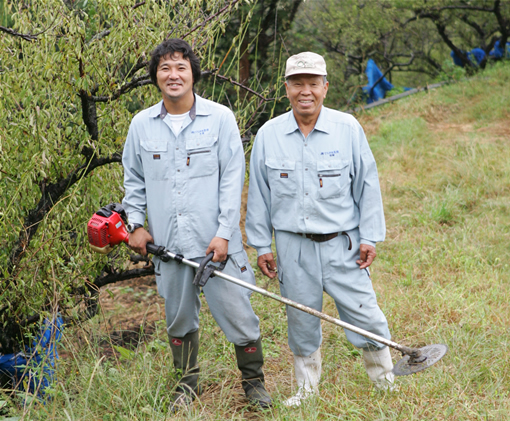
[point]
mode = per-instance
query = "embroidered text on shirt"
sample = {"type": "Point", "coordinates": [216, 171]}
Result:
{"type": "Point", "coordinates": [201, 131]}
{"type": "Point", "coordinates": [329, 153]}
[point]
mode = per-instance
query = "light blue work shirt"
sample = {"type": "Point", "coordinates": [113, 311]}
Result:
{"type": "Point", "coordinates": [321, 184]}
{"type": "Point", "coordinates": [189, 185]}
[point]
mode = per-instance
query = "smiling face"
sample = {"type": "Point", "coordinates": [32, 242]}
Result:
{"type": "Point", "coordinates": [306, 94]}
{"type": "Point", "coordinates": [175, 78]}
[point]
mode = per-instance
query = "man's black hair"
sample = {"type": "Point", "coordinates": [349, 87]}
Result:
{"type": "Point", "coordinates": [169, 47]}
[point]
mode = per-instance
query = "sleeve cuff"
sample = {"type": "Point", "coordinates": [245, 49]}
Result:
{"type": "Point", "coordinates": [136, 218]}
{"type": "Point", "coordinates": [224, 232]}
{"type": "Point", "coordinates": [367, 242]}
{"type": "Point", "coordinates": [263, 250]}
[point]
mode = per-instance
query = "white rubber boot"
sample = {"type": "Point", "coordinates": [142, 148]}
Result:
{"type": "Point", "coordinates": [308, 374]}
{"type": "Point", "coordinates": [379, 365]}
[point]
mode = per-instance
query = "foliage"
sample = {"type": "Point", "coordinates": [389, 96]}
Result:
{"type": "Point", "coordinates": [409, 40]}
{"type": "Point", "coordinates": [72, 75]}
{"type": "Point", "coordinates": [451, 72]}
{"type": "Point", "coordinates": [257, 52]}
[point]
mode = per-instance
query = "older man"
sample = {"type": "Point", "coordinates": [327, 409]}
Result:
{"type": "Point", "coordinates": [184, 166]}
{"type": "Point", "coordinates": [313, 180]}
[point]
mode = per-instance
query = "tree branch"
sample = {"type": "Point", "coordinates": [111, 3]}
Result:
{"type": "Point", "coordinates": [135, 83]}
{"type": "Point", "coordinates": [114, 277]}
{"type": "Point", "coordinates": [89, 114]}
{"type": "Point", "coordinates": [233, 82]}
{"type": "Point", "coordinates": [504, 24]}
{"type": "Point", "coordinates": [441, 28]}
{"type": "Point", "coordinates": [462, 7]}
{"type": "Point", "coordinates": [51, 194]}
{"type": "Point", "coordinates": [201, 25]}
{"type": "Point", "coordinates": [26, 37]}
{"type": "Point", "coordinates": [137, 5]}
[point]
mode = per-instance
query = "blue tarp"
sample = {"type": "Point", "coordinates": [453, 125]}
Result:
{"type": "Point", "coordinates": [34, 369]}
{"type": "Point", "coordinates": [498, 51]}
{"type": "Point", "coordinates": [373, 74]}
{"type": "Point", "coordinates": [476, 56]}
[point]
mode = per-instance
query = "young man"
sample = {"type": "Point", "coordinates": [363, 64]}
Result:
{"type": "Point", "coordinates": [184, 167]}
{"type": "Point", "coordinates": [313, 179]}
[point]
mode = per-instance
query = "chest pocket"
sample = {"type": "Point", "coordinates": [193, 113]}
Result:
{"type": "Point", "coordinates": [201, 156]}
{"type": "Point", "coordinates": [155, 159]}
{"type": "Point", "coordinates": [282, 176]}
{"type": "Point", "coordinates": [332, 178]}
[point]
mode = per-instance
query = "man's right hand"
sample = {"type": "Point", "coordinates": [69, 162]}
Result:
{"type": "Point", "coordinates": [267, 265]}
{"type": "Point", "coordinates": [139, 239]}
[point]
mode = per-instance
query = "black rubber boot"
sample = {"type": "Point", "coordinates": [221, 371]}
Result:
{"type": "Point", "coordinates": [185, 353]}
{"type": "Point", "coordinates": [250, 361]}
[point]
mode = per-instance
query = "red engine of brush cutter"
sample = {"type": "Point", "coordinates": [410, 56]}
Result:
{"type": "Point", "coordinates": [107, 228]}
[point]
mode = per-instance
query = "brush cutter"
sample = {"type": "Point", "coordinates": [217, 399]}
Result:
{"type": "Point", "coordinates": [106, 229]}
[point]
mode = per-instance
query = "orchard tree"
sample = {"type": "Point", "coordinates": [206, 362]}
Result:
{"type": "Point", "coordinates": [72, 75]}
{"type": "Point", "coordinates": [409, 40]}
{"type": "Point", "coordinates": [465, 24]}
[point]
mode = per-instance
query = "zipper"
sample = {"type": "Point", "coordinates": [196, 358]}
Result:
{"type": "Point", "coordinates": [326, 175]}
{"type": "Point", "coordinates": [195, 153]}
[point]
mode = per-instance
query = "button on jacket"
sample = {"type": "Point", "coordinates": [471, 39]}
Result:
{"type": "Point", "coordinates": [190, 185]}
{"type": "Point", "coordinates": [321, 184]}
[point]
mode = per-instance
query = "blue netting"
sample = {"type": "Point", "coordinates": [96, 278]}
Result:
{"type": "Point", "coordinates": [498, 51]}
{"type": "Point", "coordinates": [34, 369]}
{"type": "Point", "coordinates": [375, 93]}
{"type": "Point", "coordinates": [476, 56]}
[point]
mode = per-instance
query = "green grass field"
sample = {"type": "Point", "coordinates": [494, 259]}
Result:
{"type": "Point", "coordinates": [442, 276]}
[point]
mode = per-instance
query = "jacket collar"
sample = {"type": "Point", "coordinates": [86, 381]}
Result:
{"type": "Point", "coordinates": [199, 107]}
{"type": "Point", "coordinates": [320, 125]}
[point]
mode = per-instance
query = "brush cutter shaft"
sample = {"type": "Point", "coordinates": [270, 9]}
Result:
{"type": "Point", "coordinates": [404, 349]}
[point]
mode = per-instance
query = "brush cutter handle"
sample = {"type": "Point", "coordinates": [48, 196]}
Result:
{"type": "Point", "coordinates": [206, 271]}
{"type": "Point", "coordinates": [161, 252]}
{"type": "Point", "coordinates": [154, 249]}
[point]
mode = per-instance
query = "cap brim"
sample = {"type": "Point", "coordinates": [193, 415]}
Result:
{"type": "Point", "coordinates": [305, 72]}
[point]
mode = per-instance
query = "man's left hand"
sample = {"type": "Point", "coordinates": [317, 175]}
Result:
{"type": "Point", "coordinates": [220, 247]}
{"type": "Point", "coordinates": [366, 256]}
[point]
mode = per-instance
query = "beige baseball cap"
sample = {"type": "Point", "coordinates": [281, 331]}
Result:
{"type": "Point", "coordinates": [306, 63]}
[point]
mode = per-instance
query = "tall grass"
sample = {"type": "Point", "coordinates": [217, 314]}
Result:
{"type": "Point", "coordinates": [442, 276]}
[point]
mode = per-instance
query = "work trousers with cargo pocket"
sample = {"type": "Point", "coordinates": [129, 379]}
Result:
{"type": "Point", "coordinates": [306, 269]}
{"type": "Point", "coordinates": [229, 303]}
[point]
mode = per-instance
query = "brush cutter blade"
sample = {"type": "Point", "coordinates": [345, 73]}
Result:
{"type": "Point", "coordinates": [429, 355]}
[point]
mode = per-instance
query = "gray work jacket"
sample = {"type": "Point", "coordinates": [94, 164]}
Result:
{"type": "Point", "coordinates": [190, 185]}
{"type": "Point", "coordinates": [321, 184]}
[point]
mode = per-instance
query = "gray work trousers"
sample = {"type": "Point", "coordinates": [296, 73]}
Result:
{"type": "Point", "coordinates": [229, 303]}
{"type": "Point", "coordinates": [306, 269]}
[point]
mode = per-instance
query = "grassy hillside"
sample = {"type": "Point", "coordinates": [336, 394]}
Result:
{"type": "Point", "coordinates": [442, 276]}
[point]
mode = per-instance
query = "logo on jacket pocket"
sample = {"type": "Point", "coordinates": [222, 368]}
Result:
{"type": "Point", "coordinates": [244, 269]}
{"type": "Point", "coordinates": [284, 175]}
{"type": "Point", "coordinates": [156, 156]}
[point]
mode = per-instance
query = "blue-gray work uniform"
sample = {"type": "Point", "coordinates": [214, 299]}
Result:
{"type": "Point", "coordinates": [190, 188]}
{"type": "Point", "coordinates": [322, 184]}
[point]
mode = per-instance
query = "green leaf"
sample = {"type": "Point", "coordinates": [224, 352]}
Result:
{"type": "Point", "coordinates": [125, 354]}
